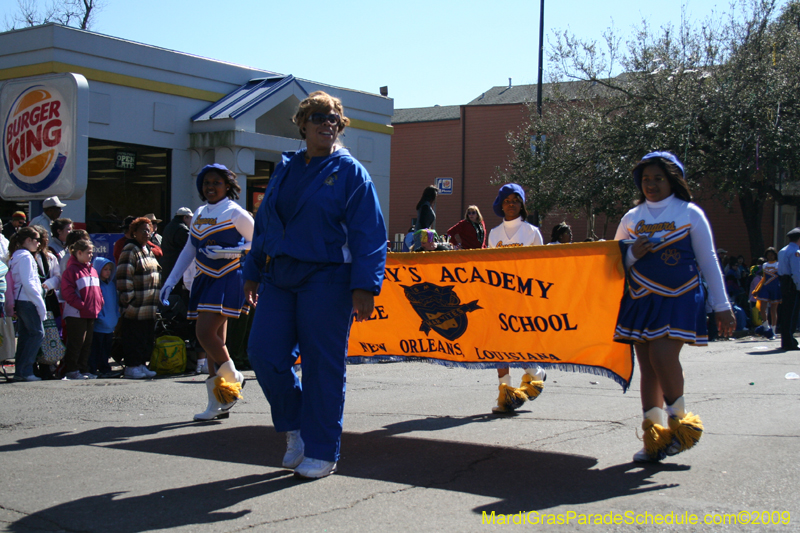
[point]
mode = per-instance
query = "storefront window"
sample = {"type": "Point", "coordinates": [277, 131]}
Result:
{"type": "Point", "coordinates": [257, 184]}
{"type": "Point", "coordinates": [126, 179]}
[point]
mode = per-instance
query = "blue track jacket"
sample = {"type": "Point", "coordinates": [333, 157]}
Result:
{"type": "Point", "coordinates": [337, 219]}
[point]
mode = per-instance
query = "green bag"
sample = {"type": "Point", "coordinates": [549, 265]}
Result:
{"type": "Point", "coordinates": [169, 355]}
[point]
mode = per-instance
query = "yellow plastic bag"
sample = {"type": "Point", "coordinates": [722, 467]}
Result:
{"type": "Point", "coordinates": [755, 315]}
{"type": "Point", "coordinates": [169, 355]}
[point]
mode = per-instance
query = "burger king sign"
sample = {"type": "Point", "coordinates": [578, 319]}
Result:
{"type": "Point", "coordinates": [41, 137]}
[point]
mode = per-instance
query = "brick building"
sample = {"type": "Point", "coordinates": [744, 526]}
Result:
{"type": "Point", "coordinates": [468, 143]}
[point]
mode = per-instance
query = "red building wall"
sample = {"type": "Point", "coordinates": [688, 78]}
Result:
{"type": "Point", "coordinates": [423, 151]}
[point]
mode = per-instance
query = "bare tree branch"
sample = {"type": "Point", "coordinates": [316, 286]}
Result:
{"type": "Point", "coordinates": [76, 13]}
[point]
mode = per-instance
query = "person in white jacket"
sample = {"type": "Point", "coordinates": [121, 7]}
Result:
{"type": "Point", "coordinates": [515, 231]}
{"type": "Point", "coordinates": [29, 302]}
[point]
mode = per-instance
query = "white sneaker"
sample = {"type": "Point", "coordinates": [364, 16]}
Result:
{"type": "Point", "coordinates": [294, 450]}
{"type": "Point", "coordinates": [202, 366]}
{"type": "Point", "coordinates": [314, 468]}
{"type": "Point", "coordinates": [643, 457]}
{"type": "Point", "coordinates": [134, 372]}
{"type": "Point", "coordinates": [147, 372]}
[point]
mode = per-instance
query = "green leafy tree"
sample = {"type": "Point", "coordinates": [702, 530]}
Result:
{"type": "Point", "coordinates": [722, 95]}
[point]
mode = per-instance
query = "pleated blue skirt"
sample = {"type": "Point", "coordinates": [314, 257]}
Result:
{"type": "Point", "coordinates": [654, 316]}
{"type": "Point", "coordinates": [224, 295]}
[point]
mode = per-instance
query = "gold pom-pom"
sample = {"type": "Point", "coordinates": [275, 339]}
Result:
{"type": "Point", "coordinates": [656, 439]}
{"type": "Point", "coordinates": [510, 398]}
{"type": "Point", "coordinates": [226, 391]}
{"type": "Point", "coordinates": [686, 431]}
{"type": "Point", "coordinates": [531, 387]}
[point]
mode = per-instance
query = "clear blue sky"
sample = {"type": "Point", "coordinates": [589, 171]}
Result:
{"type": "Point", "coordinates": [427, 52]}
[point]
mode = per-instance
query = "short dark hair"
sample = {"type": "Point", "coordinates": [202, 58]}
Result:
{"type": "Point", "coordinates": [59, 224]}
{"type": "Point", "coordinates": [75, 236]}
{"type": "Point", "coordinates": [230, 180]}
{"type": "Point", "coordinates": [558, 230]}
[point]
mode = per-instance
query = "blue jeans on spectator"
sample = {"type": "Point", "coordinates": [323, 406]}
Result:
{"type": "Point", "coordinates": [29, 338]}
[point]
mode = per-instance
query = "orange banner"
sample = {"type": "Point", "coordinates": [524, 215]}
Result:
{"type": "Point", "coordinates": [555, 306]}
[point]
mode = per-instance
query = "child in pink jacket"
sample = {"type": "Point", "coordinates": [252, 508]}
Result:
{"type": "Point", "coordinates": [80, 290]}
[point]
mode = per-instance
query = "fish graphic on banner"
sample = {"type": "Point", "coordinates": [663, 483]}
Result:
{"type": "Point", "coordinates": [440, 309]}
{"type": "Point", "coordinates": [555, 306]}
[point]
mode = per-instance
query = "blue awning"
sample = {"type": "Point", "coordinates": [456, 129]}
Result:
{"type": "Point", "coordinates": [245, 98]}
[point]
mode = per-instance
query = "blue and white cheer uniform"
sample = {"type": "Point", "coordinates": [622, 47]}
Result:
{"type": "Point", "coordinates": [665, 296]}
{"type": "Point", "coordinates": [218, 286]}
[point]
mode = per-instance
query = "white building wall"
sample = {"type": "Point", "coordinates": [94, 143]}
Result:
{"type": "Point", "coordinates": [130, 102]}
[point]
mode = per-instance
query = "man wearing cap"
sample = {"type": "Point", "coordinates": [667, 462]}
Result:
{"type": "Point", "coordinates": [18, 220]}
{"type": "Point", "coordinates": [52, 208]}
{"type": "Point", "coordinates": [175, 236]}
{"type": "Point", "coordinates": [789, 275]}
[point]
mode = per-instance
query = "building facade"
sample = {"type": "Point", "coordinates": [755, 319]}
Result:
{"type": "Point", "coordinates": [469, 143]}
{"type": "Point", "coordinates": [155, 117]}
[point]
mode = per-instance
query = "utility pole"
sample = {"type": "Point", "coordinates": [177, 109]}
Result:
{"type": "Point", "coordinates": [541, 55]}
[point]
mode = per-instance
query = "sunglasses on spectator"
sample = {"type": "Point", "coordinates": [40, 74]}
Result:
{"type": "Point", "coordinates": [322, 118]}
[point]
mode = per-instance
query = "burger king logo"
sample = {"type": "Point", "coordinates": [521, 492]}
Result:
{"type": "Point", "coordinates": [33, 151]}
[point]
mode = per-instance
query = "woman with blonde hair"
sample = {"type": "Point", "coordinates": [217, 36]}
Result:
{"type": "Point", "coordinates": [317, 259]}
{"type": "Point", "coordinates": [470, 233]}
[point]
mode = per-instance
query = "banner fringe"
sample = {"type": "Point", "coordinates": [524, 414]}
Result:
{"type": "Point", "coordinates": [566, 367]}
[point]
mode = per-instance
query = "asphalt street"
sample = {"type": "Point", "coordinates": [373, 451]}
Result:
{"type": "Point", "coordinates": [420, 452]}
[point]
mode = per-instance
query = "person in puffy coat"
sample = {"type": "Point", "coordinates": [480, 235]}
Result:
{"type": "Point", "coordinates": [80, 289]}
{"type": "Point", "coordinates": [138, 283]}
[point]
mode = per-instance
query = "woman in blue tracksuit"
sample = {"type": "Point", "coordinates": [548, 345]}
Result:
{"type": "Point", "coordinates": [318, 253]}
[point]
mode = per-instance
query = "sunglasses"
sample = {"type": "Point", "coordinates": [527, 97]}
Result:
{"type": "Point", "coordinates": [322, 118]}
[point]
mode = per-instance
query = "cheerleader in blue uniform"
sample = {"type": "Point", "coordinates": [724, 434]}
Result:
{"type": "Point", "coordinates": [664, 304]}
{"type": "Point", "coordinates": [768, 292]}
{"type": "Point", "coordinates": [221, 232]}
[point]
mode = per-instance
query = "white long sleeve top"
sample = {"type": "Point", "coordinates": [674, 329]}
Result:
{"type": "Point", "coordinates": [679, 212]}
{"type": "Point", "coordinates": [27, 285]}
{"type": "Point", "coordinates": [515, 232]}
{"type": "Point", "coordinates": [223, 210]}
